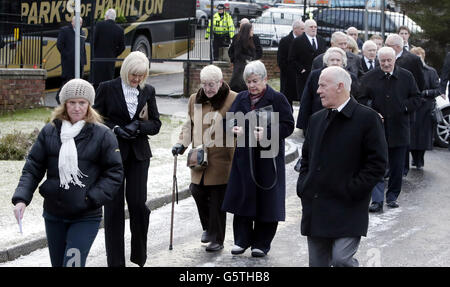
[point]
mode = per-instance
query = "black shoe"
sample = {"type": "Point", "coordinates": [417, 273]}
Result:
{"type": "Point", "coordinates": [392, 204]}
{"type": "Point", "coordinates": [376, 207]}
{"type": "Point", "coordinates": [205, 237]}
{"type": "Point", "coordinates": [213, 246]}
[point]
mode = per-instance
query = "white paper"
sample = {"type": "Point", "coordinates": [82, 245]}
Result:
{"type": "Point", "coordinates": [19, 220]}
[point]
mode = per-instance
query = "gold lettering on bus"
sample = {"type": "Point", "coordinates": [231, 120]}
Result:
{"type": "Point", "coordinates": [55, 11]}
{"type": "Point", "coordinates": [98, 8]}
{"type": "Point", "coordinates": [43, 12]}
{"type": "Point", "coordinates": [133, 11]}
{"type": "Point", "coordinates": [141, 6]}
{"type": "Point", "coordinates": [33, 15]}
{"type": "Point", "coordinates": [148, 10]}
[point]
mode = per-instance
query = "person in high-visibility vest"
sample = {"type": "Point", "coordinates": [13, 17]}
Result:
{"type": "Point", "coordinates": [223, 30]}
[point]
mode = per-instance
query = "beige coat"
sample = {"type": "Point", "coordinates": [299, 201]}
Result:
{"type": "Point", "coordinates": [219, 158]}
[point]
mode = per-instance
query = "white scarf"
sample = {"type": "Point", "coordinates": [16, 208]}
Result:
{"type": "Point", "coordinates": [68, 155]}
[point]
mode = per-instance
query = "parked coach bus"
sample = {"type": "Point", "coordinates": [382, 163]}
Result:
{"type": "Point", "coordinates": [159, 28]}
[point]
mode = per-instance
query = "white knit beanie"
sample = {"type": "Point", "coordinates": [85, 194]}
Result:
{"type": "Point", "coordinates": [77, 88]}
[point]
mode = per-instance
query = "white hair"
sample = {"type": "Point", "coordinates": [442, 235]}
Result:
{"type": "Point", "coordinates": [211, 73]}
{"type": "Point", "coordinates": [297, 24]}
{"type": "Point", "coordinates": [337, 50]}
{"type": "Point", "coordinates": [135, 63]}
{"type": "Point", "coordinates": [369, 43]}
{"type": "Point", "coordinates": [386, 51]}
{"type": "Point", "coordinates": [110, 14]}
{"type": "Point", "coordinates": [395, 39]}
{"type": "Point", "coordinates": [336, 35]}
{"type": "Point", "coordinates": [339, 75]}
{"type": "Point", "coordinates": [255, 68]}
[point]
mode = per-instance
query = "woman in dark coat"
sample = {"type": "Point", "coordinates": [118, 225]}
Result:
{"type": "Point", "coordinates": [128, 105]}
{"type": "Point", "coordinates": [84, 171]}
{"type": "Point", "coordinates": [242, 50]}
{"type": "Point", "coordinates": [256, 189]}
{"type": "Point", "coordinates": [422, 128]}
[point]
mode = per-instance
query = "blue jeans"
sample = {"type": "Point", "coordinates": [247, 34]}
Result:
{"type": "Point", "coordinates": [69, 240]}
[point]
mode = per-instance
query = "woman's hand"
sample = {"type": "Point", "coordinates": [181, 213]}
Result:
{"type": "Point", "coordinates": [19, 210]}
{"type": "Point", "coordinates": [259, 133]}
{"type": "Point", "coordinates": [237, 130]}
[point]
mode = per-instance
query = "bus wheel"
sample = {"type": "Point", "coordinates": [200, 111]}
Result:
{"type": "Point", "coordinates": [142, 44]}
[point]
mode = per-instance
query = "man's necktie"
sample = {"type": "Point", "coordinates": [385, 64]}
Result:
{"type": "Point", "coordinates": [388, 76]}
{"type": "Point", "coordinates": [370, 65]}
{"type": "Point", "coordinates": [314, 44]}
{"type": "Point", "coordinates": [331, 114]}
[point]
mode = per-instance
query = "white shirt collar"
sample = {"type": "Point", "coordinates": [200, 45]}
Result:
{"type": "Point", "coordinates": [341, 107]}
{"type": "Point", "coordinates": [399, 55]}
{"type": "Point", "coordinates": [310, 39]}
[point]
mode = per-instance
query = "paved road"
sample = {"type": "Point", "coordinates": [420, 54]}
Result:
{"type": "Point", "coordinates": [416, 234]}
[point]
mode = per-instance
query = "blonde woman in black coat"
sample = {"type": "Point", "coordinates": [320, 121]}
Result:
{"type": "Point", "coordinates": [81, 160]}
{"type": "Point", "coordinates": [122, 103]}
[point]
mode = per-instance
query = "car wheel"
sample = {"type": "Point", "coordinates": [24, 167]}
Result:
{"type": "Point", "coordinates": [442, 135]}
{"type": "Point", "coordinates": [142, 44]}
{"type": "Point", "coordinates": [202, 22]}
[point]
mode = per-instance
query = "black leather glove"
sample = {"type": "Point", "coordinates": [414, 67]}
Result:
{"type": "Point", "coordinates": [178, 149]}
{"type": "Point", "coordinates": [133, 128]}
{"type": "Point", "coordinates": [120, 132]}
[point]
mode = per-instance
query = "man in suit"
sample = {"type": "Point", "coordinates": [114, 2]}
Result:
{"type": "Point", "coordinates": [339, 39]}
{"type": "Point", "coordinates": [303, 51]}
{"type": "Point", "coordinates": [343, 156]}
{"type": "Point", "coordinates": [66, 47]}
{"type": "Point", "coordinates": [369, 59]}
{"type": "Point", "coordinates": [392, 92]}
{"type": "Point", "coordinates": [404, 32]}
{"type": "Point", "coordinates": [109, 42]}
{"type": "Point", "coordinates": [411, 63]}
{"type": "Point", "coordinates": [287, 75]}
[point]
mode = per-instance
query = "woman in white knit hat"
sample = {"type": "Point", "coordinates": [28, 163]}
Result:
{"type": "Point", "coordinates": [128, 105]}
{"type": "Point", "coordinates": [81, 159]}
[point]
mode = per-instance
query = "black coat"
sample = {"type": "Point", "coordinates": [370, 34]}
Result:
{"type": "Point", "coordinates": [242, 196]}
{"type": "Point", "coordinates": [364, 68]}
{"type": "Point", "coordinates": [98, 158]}
{"type": "Point", "coordinates": [109, 42]}
{"type": "Point", "coordinates": [353, 63]}
{"type": "Point", "coordinates": [423, 126]}
{"type": "Point", "coordinates": [395, 99]}
{"type": "Point", "coordinates": [239, 56]}
{"type": "Point", "coordinates": [287, 72]}
{"type": "Point", "coordinates": [340, 165]}
{"type": "Point", "coordinates": [66, 47]}
{"type": "Point", "coordinates": [413, 64]}
{"type": "Point", "coordinates": [310, 101]}
{"type": "Point", "coordinates": [301, 56]}
{"type": "Point", "coordinates": [110, 103]}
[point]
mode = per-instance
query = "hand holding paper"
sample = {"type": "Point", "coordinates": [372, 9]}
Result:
{"type": "Point", "coordinates": [19, 210]}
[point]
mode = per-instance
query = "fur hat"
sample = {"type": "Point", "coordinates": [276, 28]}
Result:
{"type": "Point", "coordinates": [77, 88]}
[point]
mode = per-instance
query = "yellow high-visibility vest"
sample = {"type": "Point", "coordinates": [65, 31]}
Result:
{"type": "Point", "coordinates": [222, 26]}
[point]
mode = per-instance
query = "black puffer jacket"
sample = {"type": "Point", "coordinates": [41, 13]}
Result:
{"type": "Point", "coordinates": [98, 158]}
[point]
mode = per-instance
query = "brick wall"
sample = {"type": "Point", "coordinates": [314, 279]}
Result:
{"type": "Point", "coordinates": [21, 88]}
{"type": "Point", "coordinates": [192, 73]}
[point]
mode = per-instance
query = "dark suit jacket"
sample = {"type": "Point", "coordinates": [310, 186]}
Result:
{"type": "Point", "coordinates": [394, 99]}
{"type": "Point", "coordinates": [365, 68]}
{"type": "Point", "coordinates": [301, 56]}
{"type": "Point", "coordinates": [109, 42]}
{"type": "Point", "coordinates": [110, 103]}
{"type": "Point", "coordinates": [413, 64]}
{"type": "Point", "coordinates": [341, 163]}
{"type": "Point", "coordinates": [66, 47]}
{"type": "Point", "coordinates": [287, 73]}
{"type": "Point", "coordinates": [353, 63]}
{"type": "Point", "coordinates": [310, 101]}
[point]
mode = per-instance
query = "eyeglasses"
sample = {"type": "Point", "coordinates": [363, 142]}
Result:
{"type": "Point", "coordinates": [209, 84]}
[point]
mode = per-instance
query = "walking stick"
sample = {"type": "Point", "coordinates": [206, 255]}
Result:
{"type": "Point", "coordinates": [174, 189]}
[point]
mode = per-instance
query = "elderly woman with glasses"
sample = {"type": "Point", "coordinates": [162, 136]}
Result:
{"type": "Point", "coordinates": [129, 107]}
{"type": "Point", "coordinates": [256, 190]}
{"type": "Point", "coordinates": [310, 100]}
{"type": "Point", "coordinates": [206, 109]}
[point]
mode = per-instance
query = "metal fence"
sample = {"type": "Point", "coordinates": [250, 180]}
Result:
{"type": "Point", "coordinates": [20, 45]}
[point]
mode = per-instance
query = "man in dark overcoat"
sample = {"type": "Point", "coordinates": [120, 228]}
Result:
{"type": "Point", "coordinates": [287, 74]}
{"type": "Point", "coordinates": [302, 53]}
{"type": "Point", "coordinates": [344, 155]}
{"type": "Point", "coordinates": [109, 42]}
{"type": "Point", "coordinates": [392, 92]}
{"type": "Point", "coordinates": [66, 47]}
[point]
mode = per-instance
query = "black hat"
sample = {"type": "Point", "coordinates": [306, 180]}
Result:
{"type": "Point", "coordinates": [220, 7]}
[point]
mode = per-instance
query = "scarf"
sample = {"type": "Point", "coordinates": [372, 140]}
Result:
{"type": "Point", "coordinates": [254, 99]}
{"type": "Point", "coordinates": [68, 155]}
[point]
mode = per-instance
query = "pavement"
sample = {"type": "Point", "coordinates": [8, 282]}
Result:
{"type": "Point", "coordinates": [170, 102]}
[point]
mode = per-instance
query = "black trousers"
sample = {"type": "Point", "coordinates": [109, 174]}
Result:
{"type": "Point", "coordinates": [249, 232]}
{"type": "Point", "coordinates": [218, 42]}
{"type": "Point", "coordinates": [209, 199]}
{"type": "Point", "coordinates": [418, 158]}
{"type": "Point", "coordinates": [134, 189]}
{"type": "Point", "coordinates": [396, 168]}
